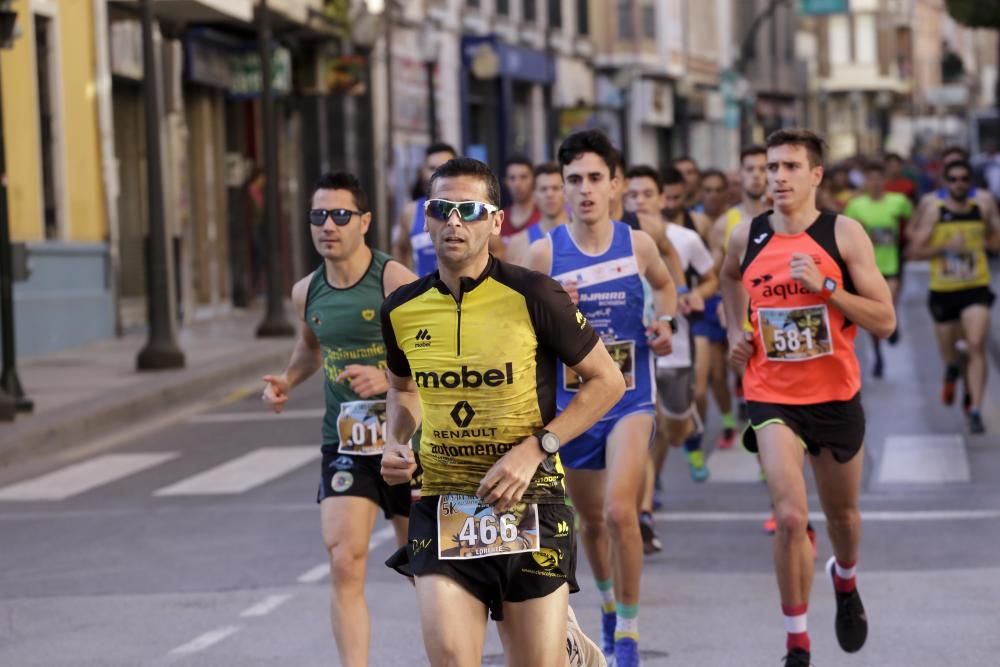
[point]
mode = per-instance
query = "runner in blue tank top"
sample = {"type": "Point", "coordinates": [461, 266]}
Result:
{"type": "Point", "coordinates": [603, 262]}
{"type": "Point", "coordinates": [550, 200]}
{"type": "Point", "coordinates": [411, 244]}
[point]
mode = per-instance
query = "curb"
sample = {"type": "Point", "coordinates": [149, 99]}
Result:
{"type": "Point", "coordinates": [87, 420]}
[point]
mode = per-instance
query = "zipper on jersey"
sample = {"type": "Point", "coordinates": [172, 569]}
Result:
{"type": "Point", "coordinates": [458, 333]}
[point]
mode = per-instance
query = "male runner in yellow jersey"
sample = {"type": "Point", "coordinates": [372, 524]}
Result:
{"type": "Point", "coordinates": [954, 236]}
{"type": "Point", "coordinates": [472, 351]}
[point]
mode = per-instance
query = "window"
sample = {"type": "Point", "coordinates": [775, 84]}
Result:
{"type": "Point", "coordinates": [472, 3]}
{"type": "Point", "coordinates": [503, 7]}
{"type": "Point", "coordinates": [649, 21]}
{"type": "Point", "coordinates": [44, 45]}
{"type": "Point", "coordinates": [625, 27]}
{"type": "Point", "coordinates": [555, 13]}
{"type": "Point", "coordinates": [582, 17]}
{"type": "Point", "coordinates": [529, 11]}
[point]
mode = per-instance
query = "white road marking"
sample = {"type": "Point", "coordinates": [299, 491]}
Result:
{"type": "Point", "coordinates": [244, 473]}
{"type": "Point", "coordinates": [262, 415]}
{"type": "Point", "coordinates": [82, 477]}
{"type": "Point", "coordinates": [923, 459]}
{"type": "Point", "coordinates": [322, 571]}
{"type": "Point", "coordinates": [267, 605]}
{"type": "Point", "coordinates": [732, 465]}
{"type": "Point", "coordinates": [205, 641]}
{"type": "Point", "coordinates": [874, 515]}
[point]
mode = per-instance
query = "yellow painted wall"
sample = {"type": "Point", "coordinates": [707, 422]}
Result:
{"type": "Point", "coordinates": [85, 217]}
{"type": "Point", "coordinates": [20, 132]}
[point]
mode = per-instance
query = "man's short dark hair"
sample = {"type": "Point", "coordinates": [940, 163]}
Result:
{"type": "Point", "coordinates": [343, 181]}
{"type": "Point", "coordinates": [958, 150]}
{"type": "Point", "coordinates": [645, 171]}
{"type": "Point", "coordinates": [589, 141]}
{"type": "Point", "coordinates": [547, 168]}
{"type": "Point", "coordinates": [956, 164]}
{"type": "Point", "coordinates": [714, 173]}
{"type": "Point", "coordinates": [812, 142]}
{"type": "Point", "coordinates": [683, 158]}
{"type": "Point", "coordinates": [752, 149]}
{"type": "Point", "coordinates": [893, 157]}
{"type": "Point", "coordinates": [440, 147]}
{"type": "Point", "coordinates": [671, 176]}
{"type": "Point", "coordinates": [519, 160]}
{"type": "Point", "coordinates": [874, 165]}
{"type": "Point", "coordinates": [466, 166]}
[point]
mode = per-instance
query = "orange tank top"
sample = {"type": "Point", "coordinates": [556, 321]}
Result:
{"type": "Point", "coordinates": [803, 346]}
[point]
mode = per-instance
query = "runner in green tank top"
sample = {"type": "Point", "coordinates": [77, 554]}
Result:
{"type": "Point", "coordinates": [338, 306]}
{"type": "Point", "coordinates": [883, 215]}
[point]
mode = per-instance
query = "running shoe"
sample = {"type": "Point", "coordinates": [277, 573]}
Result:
{"type": "Point", "coordinates": [650, 542]}
{"type": "Point", "coordinates": [852, 623]}
{"type": "Point", "coordinates": [626, 652]}
{"type": "Point", "coordinates": [581, 650]}
{"type": "Point", "coordinates": [948, 386]}
{"type": "Point", "coordinates": [696, 465]}
{"type": "Point", "coordinates": [770, 525]}
{"type": "Point", "coordinates": [609, 620]}
{"type": "Point", "coordinates": [976, 426]}
{"type": "Point", "coordinates": [879, 369]}
{"type": "Point", "coordinates": [727, 439]}
{"type": "Point", "coordinates": [797, 658]}
{"type": "Point", "coordinates": [894, 336]}
{"type": "Point", "coordinates": [966, 401]}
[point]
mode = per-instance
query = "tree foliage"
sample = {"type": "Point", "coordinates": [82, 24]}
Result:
{"type": "Point", "coordinates": [975, 13]}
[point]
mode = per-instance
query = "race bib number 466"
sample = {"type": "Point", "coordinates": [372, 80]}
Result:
{"type": "Point", "coordinates": [795, 334]}
{"type": "Point", "coordinates": [361, 427]}
{"type": "Point", "coordinates": [469, 528]}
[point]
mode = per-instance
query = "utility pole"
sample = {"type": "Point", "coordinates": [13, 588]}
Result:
{"type": "Point", "coordinates": [275, 324]}
{"type": "Point", "coordinates": [742, 61]}
{"type": "Point", "coordinates": [12, 398]}
{"type": "Point", "coordinates": [161, 351]}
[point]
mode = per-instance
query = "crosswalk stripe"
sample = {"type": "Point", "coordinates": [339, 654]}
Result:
{"type": "Point", "coordinates": [732, 465]}
{"type": "Point", "coordinates": [205, 641]}
{"type": "Point", "coordinates": [244, 473]}
{"type": "Point", "coordinates": [81, 477]}
{"type": "Point", "coordinates": [923, 459]}
{"type": "Point", "coordinates": [240, 417]}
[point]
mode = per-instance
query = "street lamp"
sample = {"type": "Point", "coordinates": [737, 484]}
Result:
{"type": "Point", "coordinates": [430, 49]}
{"type": "Point", "coordinates": [161, 350]}
{"type": "Point", "coordinates": [275, 322]}
{"type": "Point", "coordinates": [12, 398]}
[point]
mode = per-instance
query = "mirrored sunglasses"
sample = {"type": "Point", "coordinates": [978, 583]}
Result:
{"type": "Point", "coordinates": [468, 211]}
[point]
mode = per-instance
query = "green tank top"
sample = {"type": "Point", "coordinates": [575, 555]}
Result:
{"type": "Point", "coordinates": [346, 323]}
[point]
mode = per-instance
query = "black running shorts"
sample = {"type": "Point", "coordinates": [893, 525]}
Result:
{"type": "Point", "coordinates": [836, 425]}
{"type": "Point", "coordinates": [361, 476]}
{"type": "Point", "coordinates": [496, 579]}
{"type": "Point", "coordinates": [948, 306]}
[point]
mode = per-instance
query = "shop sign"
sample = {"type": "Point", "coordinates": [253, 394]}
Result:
{"type": "Point", "coordinates": [347, 75]}
{"type": "Point", "coordinates": [247, 76]}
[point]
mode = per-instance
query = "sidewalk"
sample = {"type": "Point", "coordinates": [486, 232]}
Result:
{"type": "Point", "coordinates": [91, 391]}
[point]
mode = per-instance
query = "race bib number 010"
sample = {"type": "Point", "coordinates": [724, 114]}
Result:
{"type": "Point", "coordinates": [469, 528]}
{"type": "Point", "coordinates": [361, 427]}
{"type": "Point", "coordinates": [795, 334]}
{"type": "Point", "coordinates": [622, 351]}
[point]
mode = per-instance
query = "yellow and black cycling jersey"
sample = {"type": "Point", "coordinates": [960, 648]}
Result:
{"type": "Point", "coordinates": [485, 368]}
{"type": "Point", "coordinates": [964, 269]}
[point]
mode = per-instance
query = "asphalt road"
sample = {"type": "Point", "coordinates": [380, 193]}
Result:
{"type": "Point", "coordinates": [198, 544]}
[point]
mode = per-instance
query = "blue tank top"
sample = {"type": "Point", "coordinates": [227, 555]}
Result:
{"type": "Point", "coordinates": [424, 256]}
{"type": "Point", "coordinates": [611, 298]}
{"type": "Point", "coordinates": [535, 233]}
{"type": "Point", "coordinates": [942, 193]}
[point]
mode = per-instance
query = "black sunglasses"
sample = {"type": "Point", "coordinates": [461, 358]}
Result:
{"type": "Point", "coordinates": [959, 179]}
{"type": "Point", "coordinates": [341, 216]}
{"type": "Point", "coordinates": [468, 211]}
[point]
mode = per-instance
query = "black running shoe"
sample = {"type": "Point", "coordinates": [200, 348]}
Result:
{"type": "Point", "coordinates": [894, 336]}
{"type": "Point", "coordinates": [879, 368]}
{"type": "Point", "coordinates": [852, 623]}
{"type": "Point", "coordinates": [976, 426]}
{"type": "Point", "coordinates": [797, 658]}
{"type": "Point", "coordinates": [650, 542]}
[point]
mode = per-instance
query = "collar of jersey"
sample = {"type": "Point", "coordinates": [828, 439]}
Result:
{"type": "Point", "coordinates": [465, 284]}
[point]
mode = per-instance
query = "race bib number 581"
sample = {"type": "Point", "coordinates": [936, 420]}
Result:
{"type": "Point", "coordinates": [795, 334]}
{"type": "Point", "coordinates": [469, 528]}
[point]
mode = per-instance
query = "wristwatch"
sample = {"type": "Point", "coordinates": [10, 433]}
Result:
{"type": "Point", "coordinates": [548, 441]}
{"type": "Point", "coordinates": [829, 287]}
{"type": "Point", "coordinates": [669, 319]}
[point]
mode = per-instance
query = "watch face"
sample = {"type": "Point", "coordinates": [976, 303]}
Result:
{"type": "Point", "coordinates": [829, 284]}
{"type": "Point", "coordinates": [550, 443]}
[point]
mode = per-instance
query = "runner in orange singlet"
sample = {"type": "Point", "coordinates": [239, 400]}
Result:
{"type": "Point", "coordinates": [810, 281]}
